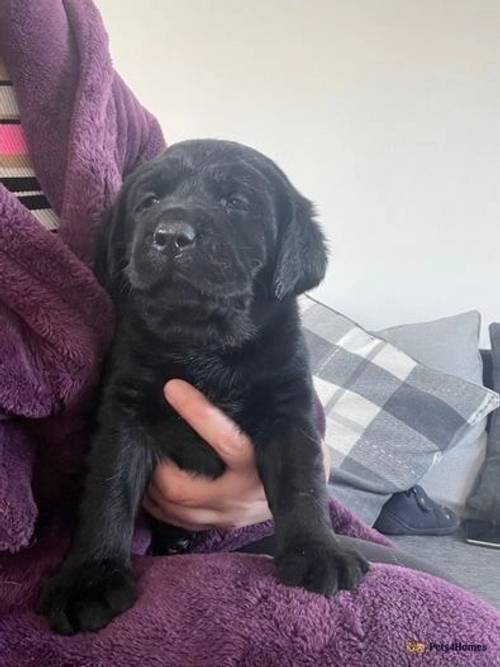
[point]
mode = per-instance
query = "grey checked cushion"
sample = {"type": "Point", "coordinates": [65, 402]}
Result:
{"type": "Point", "coordinates": [387, 416]}
{"type": "Point", "coordinates": [451, 345]}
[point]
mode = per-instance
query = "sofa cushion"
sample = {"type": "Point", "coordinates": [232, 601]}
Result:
{"type": "Point", "coordinates": [451, 345]}
{"type": "Point", "coordinates": [484, 502]}
{"type": "Point", "coordinates": [388, 416]}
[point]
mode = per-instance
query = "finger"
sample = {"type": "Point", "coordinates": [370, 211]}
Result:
{"type": "Point", "coordinates": [219, 520]}
{"type": "Point", "coordinates": [233, 446]}
{"type": "Point", "coordinates": [194, 519]}
{"type": "Point", "coordinates": [180, 486]}
{"type": "Point", "coordinates": [171, 484]}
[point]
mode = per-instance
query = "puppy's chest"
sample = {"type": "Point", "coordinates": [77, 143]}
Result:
{"type": "Point", "coordinates": [228, 386]}
{"type": "Point", "coordinates": [246, 386]}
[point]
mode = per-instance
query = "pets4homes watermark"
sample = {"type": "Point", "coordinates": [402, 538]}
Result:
{"type": "Point", "coordinates": [419, 647]}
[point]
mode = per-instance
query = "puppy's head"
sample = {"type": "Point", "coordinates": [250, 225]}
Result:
{"type": "Point", "coordinates": [210, 221]}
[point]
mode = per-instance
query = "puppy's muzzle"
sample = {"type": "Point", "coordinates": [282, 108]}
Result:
{"type": "Point", "coordinates": [173, 236]}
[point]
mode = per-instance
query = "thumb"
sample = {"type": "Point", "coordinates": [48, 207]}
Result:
{"type": "Point", "coordinates": [211, 424]}
{"type": "Point", "coordinates": [234, 447]}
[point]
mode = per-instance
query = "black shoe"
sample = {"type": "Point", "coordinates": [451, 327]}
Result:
{"type": "Point", "coordinates": [412, 512]}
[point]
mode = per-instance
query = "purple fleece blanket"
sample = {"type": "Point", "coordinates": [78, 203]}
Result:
{"type": "Point", "coordinates": [227, 609]}
{"type": "Point", "coordinates": [85, 130]}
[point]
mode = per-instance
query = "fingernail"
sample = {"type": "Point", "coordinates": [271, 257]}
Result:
{"type": "Point", "coordinates": [175, 391]}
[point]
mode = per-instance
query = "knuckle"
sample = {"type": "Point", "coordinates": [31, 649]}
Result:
{"type": "Point", "coordinates": [176, 493]}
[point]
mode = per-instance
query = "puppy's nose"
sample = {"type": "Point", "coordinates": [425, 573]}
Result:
{"type": "Point", "coordinates": [173, 235]}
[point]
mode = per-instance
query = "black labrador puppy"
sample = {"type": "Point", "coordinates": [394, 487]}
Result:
{"type": "Point", "coordinates": [204, 254]}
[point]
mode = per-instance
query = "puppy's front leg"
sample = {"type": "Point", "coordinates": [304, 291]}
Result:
{"type": "Point", "coordinates": [308, 553]}
{"type": "Point", "coordinates": [96, 581]}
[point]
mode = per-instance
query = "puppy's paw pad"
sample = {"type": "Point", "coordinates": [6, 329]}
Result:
{"type": "Point", "coordinates": [86, 597]}
{"type": "Point", "coordinates": [321, 567]}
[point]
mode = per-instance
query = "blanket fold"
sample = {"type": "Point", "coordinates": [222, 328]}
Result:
{"type": "Point", "coordinates": [85, 130]}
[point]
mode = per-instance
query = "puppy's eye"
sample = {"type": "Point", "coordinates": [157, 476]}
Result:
{"type": "Point", "coordinates": [235, 202]}
{"type": "Point", "coordinates": [148, 202]}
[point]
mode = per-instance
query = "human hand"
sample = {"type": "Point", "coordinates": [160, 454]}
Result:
{"type": "Point", "coordinates": [194, 502]}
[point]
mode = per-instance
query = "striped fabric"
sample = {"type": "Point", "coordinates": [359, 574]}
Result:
{"type": "Point", "coordinates": [389, 418]}
{"type": "Point", "coordinates": [16, 170]}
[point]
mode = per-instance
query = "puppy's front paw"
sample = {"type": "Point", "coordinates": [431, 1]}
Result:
{"type": "Point", "coordinates": [87, 596]}
{"type": "Point", "coordinates": [320, 566]}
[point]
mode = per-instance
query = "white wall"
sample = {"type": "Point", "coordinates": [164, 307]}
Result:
{"type": "Point", "coordinates": [385, 112]}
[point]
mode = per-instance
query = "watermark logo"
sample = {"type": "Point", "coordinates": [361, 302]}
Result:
{"type": "Point", "coordinates": [415, 646]}
{"type": "Point", "coordinates": [418, 647]}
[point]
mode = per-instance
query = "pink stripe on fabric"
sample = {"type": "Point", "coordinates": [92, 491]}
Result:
{"type": "Point", "coordinates": [12, 140]}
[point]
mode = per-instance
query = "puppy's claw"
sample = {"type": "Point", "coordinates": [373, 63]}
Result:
{"type": "Point", "coordinates": [321, 567]}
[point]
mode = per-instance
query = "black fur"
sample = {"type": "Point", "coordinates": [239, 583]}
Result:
{"type": "Point", "coordinates": [204, 254]}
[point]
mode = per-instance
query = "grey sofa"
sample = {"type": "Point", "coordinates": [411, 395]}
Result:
{"type": "Point", "coordinates": [475, 568]}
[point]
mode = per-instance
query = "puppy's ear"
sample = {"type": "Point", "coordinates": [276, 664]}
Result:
{"type": "Point", "coordinates": [302, 256]}
{"type": "Point", "coordinates": [110, 256]}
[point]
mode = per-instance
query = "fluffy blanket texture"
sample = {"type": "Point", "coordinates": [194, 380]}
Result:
{"type": "Point", "coordinates": [224, 608]}
{"type": "Point", "coordinates": [213, 607]}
